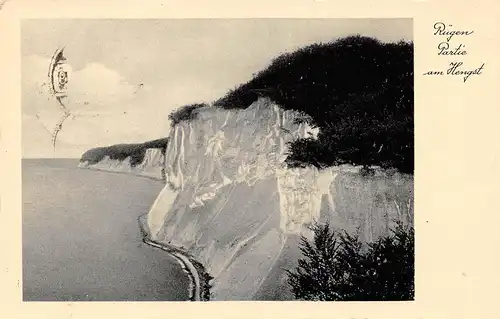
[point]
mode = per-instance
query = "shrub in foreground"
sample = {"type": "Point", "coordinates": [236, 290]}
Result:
{"type": "Point", "coordinates": [338, 267]}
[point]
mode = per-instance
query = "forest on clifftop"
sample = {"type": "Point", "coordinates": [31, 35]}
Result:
{"type": "Point", "coordinates": [357, 90]}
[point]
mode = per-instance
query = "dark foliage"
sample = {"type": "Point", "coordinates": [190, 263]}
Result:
{"type": "Point", "coordinates": [159, 143]}
{"type": "Point", "coordinates": [120, 152]}
{"type": "Point", "coordinates": [206, 286]}
{"type": "Point", "coordinates": [336, 267]}
{"type": "Point", "coordinates": [185, 113]}
{"type": "Point", "coordinates": [357, 90]}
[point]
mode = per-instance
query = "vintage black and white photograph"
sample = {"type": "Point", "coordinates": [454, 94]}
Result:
{"type": "Point", "coordinates": [217, 159]}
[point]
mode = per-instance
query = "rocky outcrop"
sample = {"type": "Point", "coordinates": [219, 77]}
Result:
{"type": "Point", "coordinates": [233, 205]}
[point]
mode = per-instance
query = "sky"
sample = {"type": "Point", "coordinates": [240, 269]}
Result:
{"type": "Point", "coordinates": [128, 75]}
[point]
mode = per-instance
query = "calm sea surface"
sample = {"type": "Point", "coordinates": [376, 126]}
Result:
{"type": "Point", "coordinates": [81, 239]}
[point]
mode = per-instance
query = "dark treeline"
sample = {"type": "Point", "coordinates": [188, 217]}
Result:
{"type": "Point", "coordinates": [357, 90]}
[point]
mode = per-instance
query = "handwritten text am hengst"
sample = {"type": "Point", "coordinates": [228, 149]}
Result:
{"type": "Point", "coordinates": [446, 48]}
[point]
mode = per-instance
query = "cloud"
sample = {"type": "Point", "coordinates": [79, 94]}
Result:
{"type": "Point", "coordinates": [96, 85]}
{"type": "Point", "coordinates": [106, 109]}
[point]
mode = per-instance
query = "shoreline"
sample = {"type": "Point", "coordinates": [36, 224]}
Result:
{"type": "Point", "coordinates": [152, 178]}
{"type": "Point", "coordinates": [196, 293]}
{"type": "Point", "coordinates": [198, 284]}
{"type": "Point", "coordinates": [187, 263]}
{"type": "Point", "coordinates": [111, 206]}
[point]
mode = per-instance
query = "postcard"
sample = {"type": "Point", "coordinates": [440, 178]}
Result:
{"type": "Point", "coordinates": [307, 158]}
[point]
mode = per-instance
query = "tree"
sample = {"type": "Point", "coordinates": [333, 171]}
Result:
{"type": "Point", "coordinates": [338, 267]}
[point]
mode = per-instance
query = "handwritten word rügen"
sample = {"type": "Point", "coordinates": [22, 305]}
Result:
{"type": "Point", "coordinates": [442, 29]}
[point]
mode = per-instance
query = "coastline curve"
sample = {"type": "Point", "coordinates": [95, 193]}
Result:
{"type": "Point", "coordinates": [198, 283]}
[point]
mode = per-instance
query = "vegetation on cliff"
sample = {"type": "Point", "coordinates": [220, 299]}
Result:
{"type": "Point", "coordinates": [357, 90]}
{"type": "Point", "coordinates": [336, 267]}
{"type": "Point", "coordinates": [120, 152]}
{"type": "Point", "coordinates": [185, 113]}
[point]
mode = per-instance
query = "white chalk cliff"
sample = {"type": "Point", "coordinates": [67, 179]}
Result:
{"type": "Point", "coordinates": [151, 166]}
{"type": "Point", "coordinates": [231, 202]}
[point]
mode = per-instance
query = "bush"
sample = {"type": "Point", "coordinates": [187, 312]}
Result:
{"type": "Point", "coordinates": [185, 113]}
{"type": "Point", "coordinates": [337, 267]}
{"type": "Point", "coordinates": [357, 90]}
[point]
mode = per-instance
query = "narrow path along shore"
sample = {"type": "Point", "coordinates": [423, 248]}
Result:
{"type": "Point", "coordinates": [197, 283]}
{"type": "Point", "coordinates": [188, 267]}
{"type": "Point", "coordinates": [82, 242]}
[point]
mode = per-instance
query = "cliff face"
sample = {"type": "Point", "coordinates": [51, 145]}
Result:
{"type": "Point", "coordinates": [233, 205]}
{"type": "Point", "coordinates": [151, 166]}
